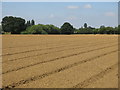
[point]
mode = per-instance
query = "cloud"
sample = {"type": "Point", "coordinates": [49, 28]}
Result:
{"type": "Point", "coordinates": [87, 6]}
{"type": "Point", "coordinates": [72, 7]}
{"type": "Point", "coordinates": [109, 14]}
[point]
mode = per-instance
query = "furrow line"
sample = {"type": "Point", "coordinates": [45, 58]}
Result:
{"type": "Point", "coordinates": [48, 53]}
{"type": "Point", "coordinates": [27, 46]}
{"type": "Point", "coordinates": [34, 78]}
{"type": "Point", "coordinates": [96, 77]}
{"type": "Point", "coordinates": [55, 59]}
{"type": "Point", "coordinates": [38, 50]}
{"type": "Point", "coordinates": [63, 45]}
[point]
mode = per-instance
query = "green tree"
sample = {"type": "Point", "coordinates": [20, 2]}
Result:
{"type": "Point", "coordinates": [13, 24]}
{"type": "Point", "coordinates": [88, 30]}
{"type": "Point", "coordinates": [32, 22]}
{"type": "Point", "coordinates": [28, 24]}
{"type": "Point", "coordinates": [85, 25]}
{"type": "Point", "coordinates": [1, 31]}
{"type": "Point", "coordinates": [67, 28]}
{"type": "Point", "coordinates": [102, 30]}
{"type": "Point", "coordinates": [110, 30]}
{"type": "Point", "coordinates": [116, 30]}
{"type": "Point", "coordinates": [95, 31]}
{"type": "Point", "coordinates": [81, 31]}
{"type": "Point", "coordinates": [54, 29]}
{"type": "Point", "coordinates": [42, 29]}
{"type": "Point", "coordinates": [34, 29]}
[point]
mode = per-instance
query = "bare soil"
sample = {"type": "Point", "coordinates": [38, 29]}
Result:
{"type": "Point", "coordinates": [59, 61]}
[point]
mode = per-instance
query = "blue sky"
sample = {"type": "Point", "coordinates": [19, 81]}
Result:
{"type": "Point", "coordinates": [77, 13]}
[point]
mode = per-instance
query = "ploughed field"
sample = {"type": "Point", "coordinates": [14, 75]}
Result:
{"type": "Point", "coordinates": [60, 61]}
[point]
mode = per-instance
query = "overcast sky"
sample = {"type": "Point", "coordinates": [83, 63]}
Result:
{"type": "Point", "coordinates": [77, 13]}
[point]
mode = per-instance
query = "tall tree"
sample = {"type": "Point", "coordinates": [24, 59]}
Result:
{"type": "Point", "coordinates": [85, 25]}
{"type": "Point", "coordinates": [28, 24]}
{"type": "Point", "coordinates": [13, 24]}
{"type": "Point", "coordinates": [67, 28]}
{"type": "Point", "coordinates": [32, 22]}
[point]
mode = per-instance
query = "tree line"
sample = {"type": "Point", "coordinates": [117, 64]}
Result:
{"type": "Point", "coordinates": [18, 25]}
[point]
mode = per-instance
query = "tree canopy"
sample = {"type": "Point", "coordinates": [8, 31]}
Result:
{"type": "Point", "coordinates": [67, 28]}
{"type": "Point", "coordinates": [17, 25]}
{"type": "Point", "coordinates": [85, 25]}
{"type": "Point", "coordinates": [13, 24]}
{"type": "Point", "coordinates": [42, 29]}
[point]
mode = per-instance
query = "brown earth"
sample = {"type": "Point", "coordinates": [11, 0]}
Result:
{"type": "Point", "coordinates": [59, 61]}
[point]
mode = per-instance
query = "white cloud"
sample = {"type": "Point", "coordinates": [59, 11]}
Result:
{"type": "Point", "coordinates": [72, 7]}
{"type": "Point", "coordinates": [87, 6]}
{"type": "Point", "coordinates": [109, 14]}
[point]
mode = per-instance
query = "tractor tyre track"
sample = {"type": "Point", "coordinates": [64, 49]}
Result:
{"type": "Point", "coordinates": [96, 77]}
{"type": "Point", "coordinates": [13, 85]}
{"type": "Point", "coordinates": [39, 50]}
{"type": "Point", "coordinates": [58, 58]}
{"type": "Point", "coordinates": [51, 52]}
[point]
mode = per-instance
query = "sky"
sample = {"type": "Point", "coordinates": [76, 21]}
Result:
{"type": "Point", "coordinates": [94, 14]}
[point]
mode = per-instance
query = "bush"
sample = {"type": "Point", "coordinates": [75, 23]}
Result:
{"type": "Point", "coordinates": [35, 29]}
{"type": "Point", "coordinates": [41, 29]}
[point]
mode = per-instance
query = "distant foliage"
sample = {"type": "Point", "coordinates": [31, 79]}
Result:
{"type": "Point", "coordinates": [118, 29]}
{"type": "Point", "coordinates": [17, 25]}
{"type": "Point", "coordinates": [30, 23]}
{"type": "Point", "coordinates": [1, 31]}
{"type": "Point", "coordinates": [13, 24]}
{"type": "Point", "coordinates": [85, 30]}
{"type": "Point", "coordinates": [67, 28]}
{"type": "Point", "coordinates": [41, 29]}
{"type": "Point", "coordinates": [35, 29]}
{"type": "Point", "coordinates": [101, 30]}
{"type": "Point", "coordinates": [85, 25]}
